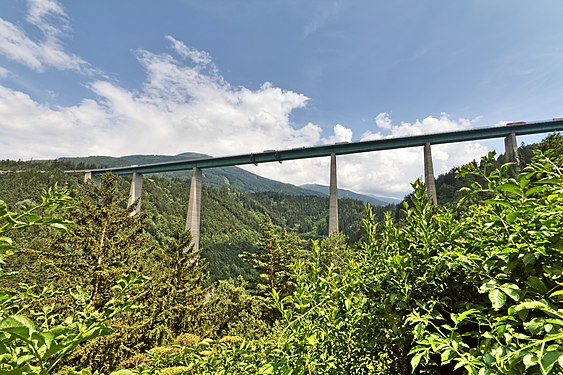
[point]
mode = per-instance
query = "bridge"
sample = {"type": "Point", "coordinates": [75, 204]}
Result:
{"type": "Point", "coordinates": [509, 133]}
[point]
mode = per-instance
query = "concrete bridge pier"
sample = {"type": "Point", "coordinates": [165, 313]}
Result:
{"type": "Point", "coordinates": [135, 193]}
{"type": "Point", "coordinates": [333, 198]}
{"type": "Point", "coordinates": [88, 176]}
{"type": "Point", "coordinates": [511, 150]}
{"type": "Point", "coordinates": [194, 207]}
{"type": "Point", "coordinates": [429, 179]}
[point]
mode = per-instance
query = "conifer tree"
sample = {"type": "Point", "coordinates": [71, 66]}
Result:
{"type": "Point", "coordinates": [105, 241]}
{"type": "Point", "coordinates": [276, 250]}
{"type": "Point", "coordinates": [176, 295]}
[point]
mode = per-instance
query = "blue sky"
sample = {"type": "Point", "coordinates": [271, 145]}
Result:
{"type": "Point", "coordinates": [228, 77]}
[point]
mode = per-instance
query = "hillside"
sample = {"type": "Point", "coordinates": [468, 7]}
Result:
{"type": "Point", "coordinates": [228, 177]}
{"type": "Point", "coordinates": [234, 203]}
{"type": "Point", "coordinates": [230, 217]}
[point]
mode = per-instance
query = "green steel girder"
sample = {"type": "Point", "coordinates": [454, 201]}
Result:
{"type": "Point", "coordinates": [341, 148]}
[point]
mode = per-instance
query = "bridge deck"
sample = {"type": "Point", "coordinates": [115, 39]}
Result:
{"type": "Point", "coordinates": [340, 148]}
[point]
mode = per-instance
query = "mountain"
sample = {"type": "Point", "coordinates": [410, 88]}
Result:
{"type": "Point", "coordinates": [343, 193]}
{"type": "Point", "coordinates": [226, 177]}
{"type": "Point", "coordinates": [229, 177]}
{"type": "Point", "coordinates": [230, 219]}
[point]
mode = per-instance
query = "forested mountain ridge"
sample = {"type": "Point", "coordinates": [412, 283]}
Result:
{"type": "Point", "coordinates": [228, 177]}
{"type": "Point", "coordinates": [232, 206]}
{"type": "Point", "coordinates": [229, 219]}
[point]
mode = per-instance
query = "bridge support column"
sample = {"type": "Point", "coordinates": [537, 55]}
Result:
{"type": "Point", "coordinates": [194, 208]}
{"type": "Point", "coordinates": [88, 176]}
{"type": "Point", "coordinates": [511, 150]}
{"type": "Point", "coordinates": [333, 198]}
{"type": "Point", "coordinates": [135, 193]}
{"type": "Point", "coordinates": [429, 174]}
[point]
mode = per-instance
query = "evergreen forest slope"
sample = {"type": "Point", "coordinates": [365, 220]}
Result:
{"type": "Point", "coordinates": [234, 202]}
{"type": "Point", "coordinates": [227, 177]}
{"type": "Point", "coordinates": [229, 220]}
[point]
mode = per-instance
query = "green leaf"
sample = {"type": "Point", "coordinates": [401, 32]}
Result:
{"type": "Point", "coordinates": [548, 360]}
{"type": "Point", "coordinates": [512, 216]}
{"type": "Point", "coordinates": [497, 298]}
{"type": "Point", "coordinates": [447, 356]}
{"type": "Point", "coordinates": [464, 315]}
{"type": "Point", "coordinates": [531, 305]}
{"type": "Point", "coordinates": [18, 325]}
{"type": "Point", "coordinates": [32, 218]}
{"type": "Point", "coordinates": [537, 284]}
{"type": "Point", "coordinates": [512, 290]}
{"type": "Point", "coordinates": [510, 188]}
{"type": "Point", "coordinates": [549, 181]}
{"type": "Point", "coordinates": [530, 360]}
{"type": "Point", "coordinates": [416, 359]}
{"type": "Point", "coordinates": [534, 190]}
{"type": "Point", "coordinates": [535, 325]}
{"type": "Point", "coordinates": [312, 340]}
{"type": "Point", "coordinates": [205, 343]}
{"type": "Point", "coordinates": [61, 227]}
{"type": "Point", "coordinates": [24, 358]}
{"type": "Point", "coordinates": [528, 259]}
{"type": "Point", "coordinates": [498, 202]}
{"type": "Point", "coordinates": [487, 286]}
{"type": "Point", "coordinates": [7, 240]}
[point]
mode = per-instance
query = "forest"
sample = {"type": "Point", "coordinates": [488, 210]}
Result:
{"type": "Point", "coordinates": [471, 286]}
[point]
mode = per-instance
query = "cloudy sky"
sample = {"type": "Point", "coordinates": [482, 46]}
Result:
{"type": "Point", "coordinates": [224, 77]}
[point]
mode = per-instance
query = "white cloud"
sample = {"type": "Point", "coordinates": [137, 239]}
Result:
{"type": "Point", "coordinates": [186, 105]}
{"type": "Point", "coordinates": [198, 57]}
{"type": "Point", "coordinates": [341, 134]}
{"type": "Point", "coordinates": [48, 52]}
{"type": "Point", "coordinates": [4, 72]}
{"type": "Point", "coordinates": [49, 16]}
{"type": "Point", "coordinates": [181, 107]}
{"type": "Point", "coordinates": [387, 173]}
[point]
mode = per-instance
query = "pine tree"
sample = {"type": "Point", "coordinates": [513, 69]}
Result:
{"type": "Point", "coordinates": [103, 244]}
{"type": "Point", "coordinates": [177, 293]}
{"type": "Point", "coordinates": [276, 250]}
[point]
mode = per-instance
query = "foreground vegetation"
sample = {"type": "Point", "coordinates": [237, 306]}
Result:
{"type": "Point", "coordinates": [471, 287]}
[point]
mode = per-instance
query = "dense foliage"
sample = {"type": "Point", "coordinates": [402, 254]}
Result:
{"type": "Point", "coordinates": [470, 287]}
{"type": "Point", "coordinates": [35, 337]}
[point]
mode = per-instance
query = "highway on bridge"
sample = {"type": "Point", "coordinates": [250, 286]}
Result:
{"type": "Point", "coordinates": [268, 156]}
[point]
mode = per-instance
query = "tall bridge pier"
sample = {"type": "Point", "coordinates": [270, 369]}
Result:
{"type": "Point", "coordinates": [89, 176]}
{"type": "Point", "coordinates": [429, 179]}
{"type": "Point", "coordinates": [333, 198]}
{"type": "Point", "coordinates": [511, 150]}
{"type": "Point", "coordinates": [194, 207]}
{"type": "Point", "coordinates": [135, 192]}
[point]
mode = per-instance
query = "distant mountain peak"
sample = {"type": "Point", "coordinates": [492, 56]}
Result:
{"type": "Point", "coordinates": [343, 193]}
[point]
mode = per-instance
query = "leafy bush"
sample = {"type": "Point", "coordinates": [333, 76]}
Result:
{"type": "Point", "coordinates": [474, 290]}
{"type": "Point", "coordinates": [511, 250]}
